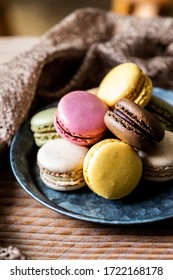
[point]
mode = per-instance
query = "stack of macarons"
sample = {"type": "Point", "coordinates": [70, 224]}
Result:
{"type": "Point", "coordinates": [83, 154]}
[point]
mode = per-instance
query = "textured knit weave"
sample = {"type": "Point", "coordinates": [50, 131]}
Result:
{"type": "Point", "coordinates": [76, 54]}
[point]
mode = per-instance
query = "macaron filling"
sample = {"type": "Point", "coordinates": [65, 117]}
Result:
{"type": "Point", "coordinates": [162, 111]}
{"type": "Point", "coordinates": [158, 173]}
{"type": "Point", "coordinates": [125, 80]}
{"type": "Point", "coordinates": [124, 119]}
{"type": "Point", "coordinates": [62, 185]}
{"type": "Point", "coordinates": [45, 128]}
{"type": "Point", "coordinates": [46, 136]}
{"type": "Point", "coordinates": [70, 178]}
{"type": "Point", "coordinates": [149, 131]}
{"type": "Point", "coordinates": [163, 114]}
{"type": "Point", "coordinates": [64, 131]}
{"type": "Point", "coordinates": [158, 164]}
{"type": "Point", "coordinates": [134, 93]}
{"type": "Point", "coordinates": [143, 98]}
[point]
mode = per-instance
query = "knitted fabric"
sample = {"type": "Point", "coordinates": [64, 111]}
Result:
{"type": "Point", "coordinates": [76, 54]}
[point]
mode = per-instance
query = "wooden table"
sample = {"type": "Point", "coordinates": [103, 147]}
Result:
{"type": "Point", "coordinates": [41, 233]}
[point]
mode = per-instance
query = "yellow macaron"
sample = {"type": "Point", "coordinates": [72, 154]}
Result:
{"type": "Point", "coordinates": [112, 168]}
{"type": "Point", "coordinates": [125, 80]}
{"type": "Point", "coordinates": [93, 90]}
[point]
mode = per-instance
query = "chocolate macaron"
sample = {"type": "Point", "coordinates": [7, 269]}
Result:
{"type": "Point", "coordinates": [134, 125]}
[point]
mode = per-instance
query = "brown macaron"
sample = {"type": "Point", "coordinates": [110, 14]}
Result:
{"type": "Point", "coordinates": [134, 125]}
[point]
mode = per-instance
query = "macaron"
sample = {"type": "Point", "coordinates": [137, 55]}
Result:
{"type": "Point", "coordinates": [80, 118]}
{"type": "Point", "coordinates": [93, 90]}
{"type": "Point", "coordinates": [61, 165]}
{"type": "Point", "coordinates": [112, 169]}
{"type": "Point", "coordinates": [158, 164]}
{"type": "Point", "coordinates": [134, 125]}
{"type": "Point", "coordinates": [162, 111]}
{"type": "Point", "coordinates": [42, 126]}
{"type": "Point", "coordinates": [126, 80]}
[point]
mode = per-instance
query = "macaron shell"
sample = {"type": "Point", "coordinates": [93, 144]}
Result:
{"type": "Point", "coordinates": [162, 111]}
{"type": "Point", "coordinates": [122, 81]}
{"type": "Point", "coordinates": [82, 113]}
{"type": "Point", "coordinates": [62, 185]}
{"type": "Point", "coordinates": [42, 126]}
{"type": "Point", "coordinates": [134, 125]}
{"type": "Point", "coordinates": [75, 138]}
{"type": "Point", "coordinates": [142, 117]}
{"type": "Point", "coordinates": [61, 165]}
{"type": "Point", "coordinates": [158, 164]}
{"type": "Point", "coordinates": [93, 90]}
{"type": "Point", "coordinates": [61, 156]}
{"type": "Point", "coordinates": [145, 95]}
{"type": "Point", "coordinates": [43, 121]}
{"type": "Point", "coordinates": [112, 169]}
{"type": "Point", "coordinates": [127, 133]}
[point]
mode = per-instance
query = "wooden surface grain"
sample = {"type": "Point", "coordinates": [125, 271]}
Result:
{"type": "Point", "coordinates": [41, 233]}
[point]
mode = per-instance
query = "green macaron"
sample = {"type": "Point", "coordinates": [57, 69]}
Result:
{"type": "Point", "coordinates": [42, 126]}
{"type": "Point", "coordinates": [162, 111]}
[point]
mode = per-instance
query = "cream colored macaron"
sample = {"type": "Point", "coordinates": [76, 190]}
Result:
{"type": "Point", "coordinates": [112, 169]}
{"type": "Point", "coordinates": [126, 80]}
{"type": "Point", "coordinates": [61, 164]}
{"type": "Point", "coordinates": [158, 164]}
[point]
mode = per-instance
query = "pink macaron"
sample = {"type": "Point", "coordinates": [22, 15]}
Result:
{"type": "Point", "coordinates": [79, 118]}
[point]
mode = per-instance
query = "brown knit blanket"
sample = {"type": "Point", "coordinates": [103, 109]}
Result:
{"type": "Point", "coordinates": [76, 54]}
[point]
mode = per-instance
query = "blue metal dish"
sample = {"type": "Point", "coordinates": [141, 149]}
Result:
{"type": "Point", "coordinates": [149, 202]}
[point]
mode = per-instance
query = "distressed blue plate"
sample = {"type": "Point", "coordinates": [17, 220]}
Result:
{"type": "Point", "coordinates": [148, 203]}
